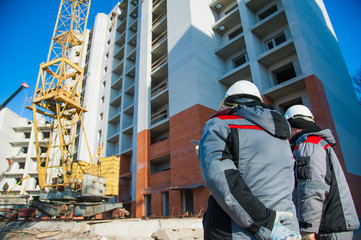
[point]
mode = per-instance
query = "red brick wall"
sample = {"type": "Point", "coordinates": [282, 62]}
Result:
{"type": "Point", "coordinates": [157, 204]}
{"type": "Point", "coordinates": [175, 203]}
{"type": "Point", "coordinates": [200, 201]}
{"type": "Point", "coordinates": [159, 149]}
{"type": "Point", "coordinates": [184, 127]}
{"type": "Point", "coordinates": [185, 170]}
{"type": "Point", "coordinates": [323, 118]}
{"type": "Point", "coordinates": [143, 141]}
{"type": "Point", "coordinates": [159, 178]}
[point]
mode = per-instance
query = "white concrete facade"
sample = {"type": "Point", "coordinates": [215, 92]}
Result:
{"type": "Point", "coordinates": [18, 154]}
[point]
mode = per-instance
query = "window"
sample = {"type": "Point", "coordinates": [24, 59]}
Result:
{"type": "Point", "coordinates": [24, 149]}
{"type": "Point", "coordinates": [21, 165]}
{"type": "Point", "coordinates": [165, 203]}
{"type": "Point", "coordinates": [43, 150]}
{"type": "Point", "coordinates": [100, 135]}
{"type": "Point", "coordinates": [284, 73]}
{"type": "Point", "coordinates": [235, 33]}
{"type": "Point", "coordinates": [36, 182]}
{"type": "Point", "coordinates": [148, 205]}
{"type": "Point", "coordinates": [267, 12]}
{"type": "Point", "coordinates": [187, 196]}
{"type": "Point", "coordinates": [27, 135]}
{"type": "Point", "coordinates": [238, 61]}
{"type": "Point", "coordinates": [46, 134]}
{"type": "Point", "coordinates": [277, 40]}
{"type": "Point", "coordinates": [17, 180]}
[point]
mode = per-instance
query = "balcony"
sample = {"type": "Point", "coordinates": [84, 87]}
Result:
{"type": "Point", "coordinates": [256, 5]}
{"type": "Point", "coordinates": [159, 116]}
{"type": "Point", "coordinates": [120, 40]}
{"type": "Point", "coordinates": [159, 88]}
{"type": "Point", "coordinates": [160, 49]}
{"type": "Point", "coordinates": [20, 143]}
{"type": "Point", "coordinates": [131, 72]}
{"type": "Point", "coordinates": [122, 26]}
{"type": "Point", "coordinates": [114, 138]}
{"type": "Point", "coordinates": [115, 117]}
{"type": "Point", "coordinates": [158, 40]}
{"type": "Point", "coordinates": [119, 53]}
{"type": "Point", "coordinates": [115, 98]}
{"type": "Point", "coordinates": [159, 74]}
{"type": "Point", "coordinates": [241, 72]}
{"type": "Point", "coordinates": [160, 27]}
{"type": "Point", "coordinates": [117, 82]}
{"type": "Point", "coordinates": [270, 24]}
{"type": "Point", "coordinates": [228, 21]}
{"type": "Point", "coordinates": [159, 62]}
{"type": "Point", "coordinates": [118, 69]}
{"type": "Point", "coordinates": [159, 6]}
{"type": "Point", "coordinates": [134, 13]}
{"type": "Point", "coordinates": [231, 47]}
{"type": "Point", "coordinates": [277, 53]}
{"type": "Point", "coordinates": [132, 56]}
{"type": "Point", "coordinates": [283, 89]}
{"type": "Point", "coordinates": [159, 132]}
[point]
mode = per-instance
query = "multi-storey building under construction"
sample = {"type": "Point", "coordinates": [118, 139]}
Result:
{"type": "Point", "coordinates": [155, 70]}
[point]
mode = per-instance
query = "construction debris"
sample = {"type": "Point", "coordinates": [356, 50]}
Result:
{"type": "Point", "coordinates": [125, 229]}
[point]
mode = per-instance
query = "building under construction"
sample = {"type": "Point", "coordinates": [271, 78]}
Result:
{"type": "Point", "coordinates": [155, 70]}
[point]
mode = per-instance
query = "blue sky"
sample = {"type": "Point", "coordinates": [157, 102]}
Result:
{"type": "Point", "coordinates": [26, 28]}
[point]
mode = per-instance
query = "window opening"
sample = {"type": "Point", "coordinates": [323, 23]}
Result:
{"type": "Point", "coordinates": [166, 204]}
{"type": "Point", "coordinates": [148, 205]}
{"type": "Point", "coordinates": [188, 201]}
{"type": "Point", "coordinates": [230, 10]}
{"type": "Point", "coordinates": [21, 165]}
{"type": "Point", "coordinates": [277, 40]}
{"type": "Point", "coordinates": [238, 61]}
{"type": "Point", "coordinates": [235, 33]}
{"type": "Point", "coordinates": [267, 12]}
{"type": "Point", "coordinates": [284, 73]}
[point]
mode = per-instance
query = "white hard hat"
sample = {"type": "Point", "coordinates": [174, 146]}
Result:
{"type": "Point", "coordinates": [242, 88]}
{"type": "Point", "coordinates": [298, 111]}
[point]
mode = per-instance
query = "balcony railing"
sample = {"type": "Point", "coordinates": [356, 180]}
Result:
{"type": "Point", "coordinates": [158, 19]}
{"type": "Point", "coordinates": [159, 116]}
{"type": "Point", "coordinates": [160, 87]}
{"type": "Point", "coordinates": [159, 39]}
{"type": "Point", "coordinates": [160, 61]}
{"type": "Point", "coordinates": [156, 2]}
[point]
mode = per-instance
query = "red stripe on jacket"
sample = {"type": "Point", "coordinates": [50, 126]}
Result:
{"type": "Point", "coordinates": [245, 127]}
{"type": "Point", "coordinates": [226, 117]}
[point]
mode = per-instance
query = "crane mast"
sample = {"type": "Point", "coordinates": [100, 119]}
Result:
{"type": "Point", "coordinates": [57, 103]}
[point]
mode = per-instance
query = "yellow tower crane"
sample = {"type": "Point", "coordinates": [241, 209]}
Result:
{"type": "Point", "coordinates": [57, 108]}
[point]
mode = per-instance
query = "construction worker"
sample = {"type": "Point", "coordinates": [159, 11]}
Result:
{"type": "Point", "coordinates": [247, 165]}
{"type": "Point", "coordinates": [325, 208]}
